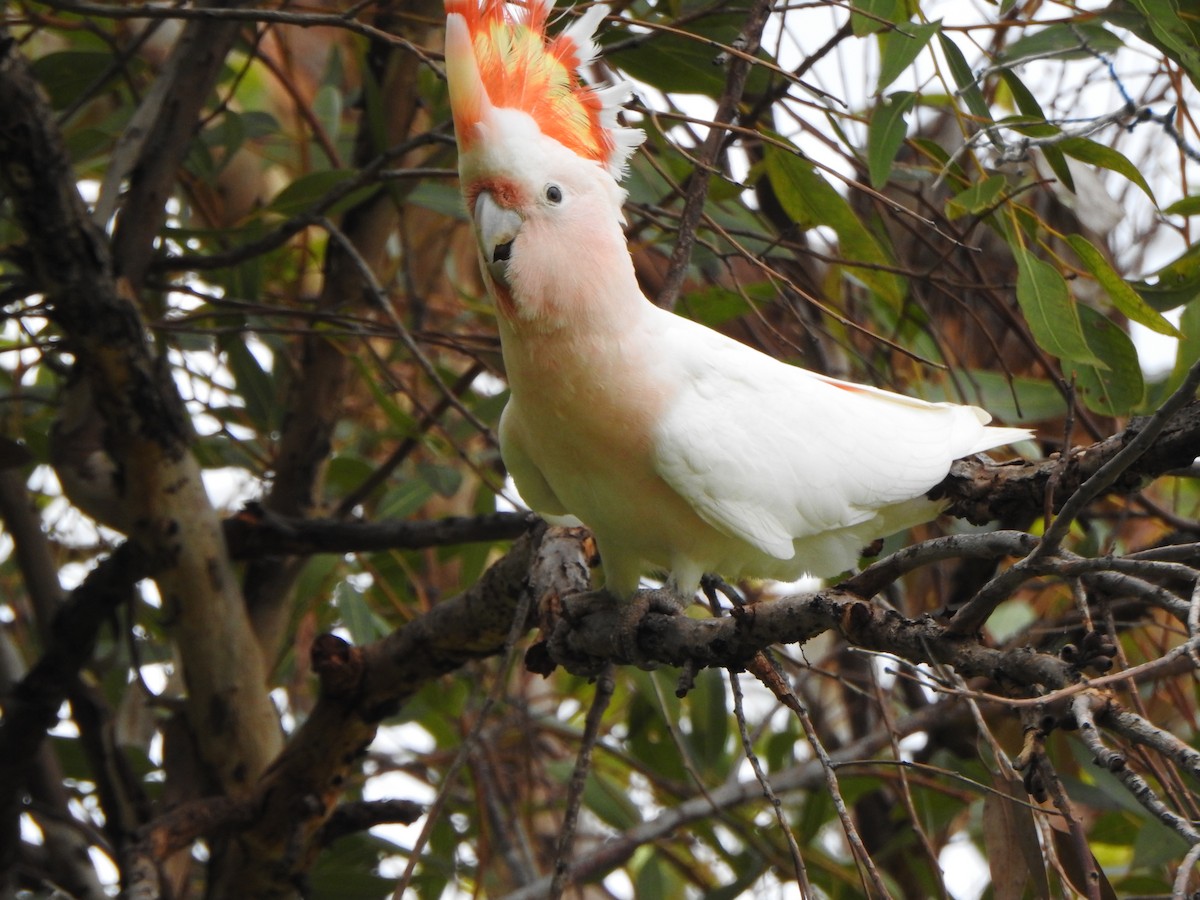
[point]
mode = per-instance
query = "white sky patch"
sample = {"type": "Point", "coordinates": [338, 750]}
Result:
{"type": "Point", "coordinates": [399, 743]}
{"type": "Point", "coordinates": [964, 869]}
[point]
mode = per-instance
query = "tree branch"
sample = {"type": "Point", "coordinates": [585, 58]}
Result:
{"type": "Point", "coordinates": [359, 687]}
{"type": "Point", "coordinates": [256, 533]}
{"type": "Point", "coordinates": [175, 526]}
{"type": "Point", "coordinates": [33, 707]}
{"type": "Point", "coordinates": [697, 190]}
{"type": "Point", "coordinates": [981, 491]}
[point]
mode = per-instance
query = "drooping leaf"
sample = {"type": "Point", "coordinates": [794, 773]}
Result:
{"type": "Point", "coordinates": [900, 47]}
{"type": "Point", "coordinates": [1174, 32]}
{"type": "Point", "coordinates": [1187, 206]}
{"type": "Point", "coordinates": [1187, 352]}
{"type": "Point", "coordinates": [710, 721]}
{"type": "Point", "coordinates": [1062, 40]}
{"type": "Point", "coordinates": [1088, 151]}
{"type": "Point", "coordinates": [253, 383]}
{"type": "Point", "coordinates": [1123, 296]}
{"type": "Point", "coordinates": [1176, 283]}
{"type": "Point", "coordinates": [1016, 400]}
{"type": "Point", "coordinates": [304, 193]}
{"type": "Point", "coordinates": [1024, 99]}
{"type": "Point", "coordinates": [871, 16]}
{"type": "Point", "coordinates": [886, 133]}
{"type": "Point", "coordinates": [810, 200]}
{"type": "Point", "coordinates": [1010, 836]}
{"type": "Point", "coordinates": [1077, 869]}
{"type": "Point", "coordinates": [1050, 311]}
{"type": "Point", "coordinates": [979, 197]}
{"type": "Point", "coordinates": [688, 63]}
{"type": "Point", "coordinates": [964, 78]}
{"type": "Point", "coordinates": [1118, 388]}
{"type": "Point", "coordinates": [356, 614]}
{"type": "Point", "coordinates": [66, 74]}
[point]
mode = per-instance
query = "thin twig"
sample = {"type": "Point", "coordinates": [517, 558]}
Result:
{"type": "Point", "coordinates": [798, 866]}
{"type": "Point", "coordinates": [1179, 888]}
{"type": "Point", "coordinates": [1115, 763]}
{"type": "Point", "coordinates": [280, 17]}
{"type": "Point", "coordinates": [605, 684]}
{"type": "Point", "coordinates": [385, 305]}
{"type": "Point", "coordinates": [433, 815]}
{"type": "Point", "coordinates": [693, 208]}
{"type": "Point", "coordinates": [1087, 862]}
{"type": "Point", "coordinates": [974, 613]}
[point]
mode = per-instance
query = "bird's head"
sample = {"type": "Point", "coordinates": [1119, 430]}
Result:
{"type": "Point", "coordinates": [540, 152]}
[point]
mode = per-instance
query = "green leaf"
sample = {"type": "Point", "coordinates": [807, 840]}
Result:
{"type": "Point", "coordinates": [810, 200]}
{"type": "Point", "coordinates": [327, 107]}
{"type": "Point", "coordinates": [1064, 40]}
{"type": "Point", "coordinates": [964, 78]}
{"type": "Point", "coordinates": [715, 305]}
{"type": "Point", "coordinates": [1118, 389]}
{"type": "Point", "coordinates": [1188, 349]}
{"type": "Point", "coordinates": [1123, 296]}
{"type": "Point", "coordinates": [346, 869]}
{"type": "Point", "coordinates": [307, 190]}
{"type": "Point", "coordinates": [356, 614]}
{"type": "Point", "coordinates": [879, 15]}
{"type": "Point", "coordinates": [688, 64]}
{"type": "Point", "coordinates": [886, 134]}
{"type": "Point", "coordinates": [978, 198]}
{"type": "Point", "coordinates": [402, 421]}
{"type": "Point", "coordinates": [1188, 206]}
{"type": "Point", "coordinates": [1090, 152]}
{"type": "Point", "coordinates": [609, 802]}
{"type": "Point", "coordinates": [405, 498]}
{"type": "Point", "coordinates": [1058, 165]}
{"type": "Point", "coordinates": [65, 75]}
{"type": "Point", "coordinates": [1023, 98]}
{"type": "Point", "coordinates": [900, 47]}
{"type": "Point", "coordinates": [1050, 310]}
{"type": "Point", "coordinates": [442, 480]}
{"type": "Point", "coordinates": [253, 383]}
{"type": "Point", "coordinates": [1174, 284]}
{"type": "Point", "coordinates": [1172, 33]}
{"type": "Point", "coordinates": [710, 722]}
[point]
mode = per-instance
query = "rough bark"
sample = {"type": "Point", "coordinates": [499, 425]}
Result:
{"type": "Point", "coordinates": [175, 526]}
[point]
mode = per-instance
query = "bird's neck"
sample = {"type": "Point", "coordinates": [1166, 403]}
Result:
{"type": "Point", "coordinates": [593, 323]}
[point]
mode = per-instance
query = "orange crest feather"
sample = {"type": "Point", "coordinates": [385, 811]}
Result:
{"type": "Point", "coordinates": [518, 66]}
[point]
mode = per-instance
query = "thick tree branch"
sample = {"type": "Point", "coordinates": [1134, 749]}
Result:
{"type": "Point", "coordinates": [981, 491]}
{"type": "Point", "coordinates": [173, 108]}
{"type": "Point", "coordinates": [33, 706]}
{"type": "Point", "coordinates": [359, 687]}
{"type": "Point", "coordinates": [584, 635]}
{"type": "Point", "coordinates": [256, 533]}
{"type": "Point", "coordinates": [315, 402]}
{"type": "Point", "coordinates": [175, 527]}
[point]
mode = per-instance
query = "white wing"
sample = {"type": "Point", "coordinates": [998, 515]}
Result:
{"type": "Point", "coordinates": [769, 453]}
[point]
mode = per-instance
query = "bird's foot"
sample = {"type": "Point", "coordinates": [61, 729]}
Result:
{"type": "Point", "coordinates": [629, 622]}
{"type": "Point", "coordinates": [596, 628]}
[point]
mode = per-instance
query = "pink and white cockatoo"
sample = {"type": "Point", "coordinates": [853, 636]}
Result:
{"type": "Point", "coordinates": [681, 449]}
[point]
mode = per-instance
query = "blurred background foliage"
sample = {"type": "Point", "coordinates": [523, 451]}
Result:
{"type": "Point", "coordinates": [991, 202]}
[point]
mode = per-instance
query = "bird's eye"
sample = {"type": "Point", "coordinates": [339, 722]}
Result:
{"type": "Point", "coordinates": [553, 194]}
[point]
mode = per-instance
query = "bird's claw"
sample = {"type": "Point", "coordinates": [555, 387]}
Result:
{"type": "Point", "coordinates": [629, 615]}
{"type": "Point", "coordinates": [629, 622]}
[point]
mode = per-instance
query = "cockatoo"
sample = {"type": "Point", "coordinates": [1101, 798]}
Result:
{"type": "Point", "coordinates": [681, 449]}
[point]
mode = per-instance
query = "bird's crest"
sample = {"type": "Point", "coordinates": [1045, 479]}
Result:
{"type": "Point", "coordinates": [498, 55]}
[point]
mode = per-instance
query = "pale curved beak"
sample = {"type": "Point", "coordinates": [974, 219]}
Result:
{"type": "Point", "coordinates": [495, 228]}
